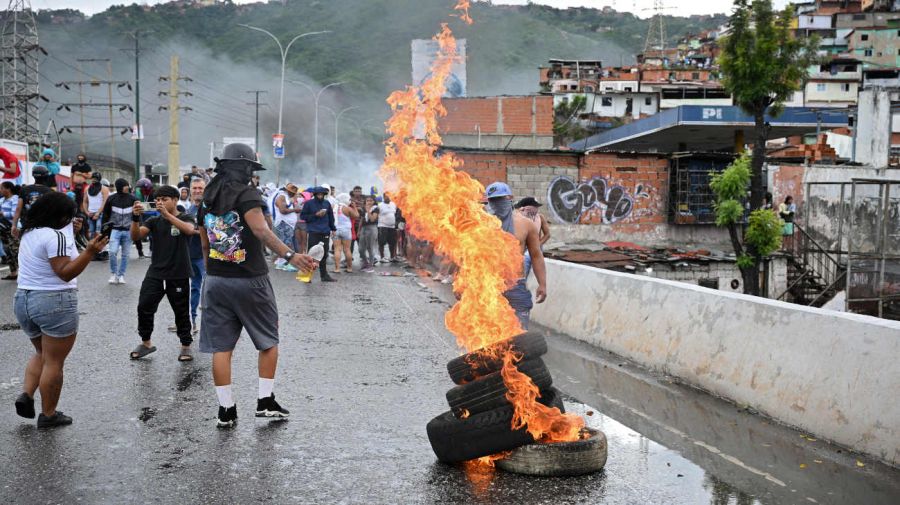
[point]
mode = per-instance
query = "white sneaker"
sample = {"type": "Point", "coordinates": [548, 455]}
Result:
{"type": "Point", "coordinates": [121, 279]}
{"type": "Point", "coordinates": [113, 279]}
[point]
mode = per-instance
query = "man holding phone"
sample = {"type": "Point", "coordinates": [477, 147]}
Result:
{"type": "Point", "coordinates": [117, 214]}
{"type": "Point", "coordinates": [170, 270]}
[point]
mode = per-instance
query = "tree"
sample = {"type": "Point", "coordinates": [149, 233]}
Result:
{"type": "Point", "coordinates": [762, 65]}
{"type": "Point", "coordinates": [763, 234]}
{"type": "Point", "coordinates": [566, 126]}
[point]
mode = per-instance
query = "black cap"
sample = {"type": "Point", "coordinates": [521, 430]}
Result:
{"type": "Point", "coordinates": [528, 201]}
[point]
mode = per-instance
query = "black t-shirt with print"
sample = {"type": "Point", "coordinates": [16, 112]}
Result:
{"type": "Point", "coordinates": [234, 251]}
{"type": "Point", "coordinates": [171, 257]}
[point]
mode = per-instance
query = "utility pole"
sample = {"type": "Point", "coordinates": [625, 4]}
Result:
{"type": "Point", "coordinates": [173, 108]}
{"type": "Point", "coordinates": [257, 104]}
{"type": "Point", "coordinates": [109, 85]}
{"type": "Point", "coordinates": [82, 105]}
{"type": "Point", "coordinates": [138, 129]}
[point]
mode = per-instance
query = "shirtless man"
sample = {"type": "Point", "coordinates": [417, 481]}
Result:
{"type": "Point", "coordinates": [528, 233]}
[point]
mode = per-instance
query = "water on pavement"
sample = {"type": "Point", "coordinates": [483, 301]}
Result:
{"type": "Point", "coordinates": [362, 369]}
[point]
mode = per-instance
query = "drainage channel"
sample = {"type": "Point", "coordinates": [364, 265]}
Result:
{"type": "Point", "coordinates": [669, 443]}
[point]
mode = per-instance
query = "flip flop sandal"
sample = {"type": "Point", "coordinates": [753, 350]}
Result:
{"type": "Point", "coordinates": [349, 271]}
{"type": "Point", "coordinates": [186, 355]}
{"type": "Point", "coordinates": [141, 350]}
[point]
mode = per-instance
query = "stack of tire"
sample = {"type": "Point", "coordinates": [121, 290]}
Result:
{"type": "Point", "coordinates": [479, 422]}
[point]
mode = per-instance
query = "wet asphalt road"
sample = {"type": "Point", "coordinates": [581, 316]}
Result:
{"type": "Point", "coordinates": [362, 370]}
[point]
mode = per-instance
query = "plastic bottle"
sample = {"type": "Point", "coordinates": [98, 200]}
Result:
{"type": "Point", "coordinates": [317, 252]}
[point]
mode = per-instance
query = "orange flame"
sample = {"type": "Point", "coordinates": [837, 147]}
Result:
{"type": "Point", "coordinates": [463, 6]}
{"type": "Point", "coordinates": [442, 206]}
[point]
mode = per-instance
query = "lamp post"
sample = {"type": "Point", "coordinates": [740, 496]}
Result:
{"type": "Point", "coordinates": [284, 52]}
{"type": "Point", "coordinates": [316, 96]}
{"type": "Point", "coordinates": [337, 120]}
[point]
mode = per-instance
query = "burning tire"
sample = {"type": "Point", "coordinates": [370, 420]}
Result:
{"type": "Point", "coordinates": [559, 459]}
{"type": "Point", "coordinates": [468, 367]}
{"type": "Point", "coordinates": [454, 440]}
{"type": "Point", "coordinates": [489, 392]}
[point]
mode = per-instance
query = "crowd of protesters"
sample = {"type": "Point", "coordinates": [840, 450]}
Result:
{"type": "Point", "coordinates": [212, 235]}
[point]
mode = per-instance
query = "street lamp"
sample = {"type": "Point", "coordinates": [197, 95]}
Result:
{"type": "Point", "coordinates": [337, 119]}
{"type": "Point", "coordinates": [284, 52]}
{"type": "Point", "coordinates": [316, 96]}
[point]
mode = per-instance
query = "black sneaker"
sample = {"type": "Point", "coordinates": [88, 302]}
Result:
{"type": "Point", "coordinates": [268, 407]}
{"type": "Point", "coordinates": [57, 419]}
{"type": "Point", "coordinates": [329, 279]}
{"type": "Point", "coordinates": [227, 417]}
{"type": "Point", "coordinates": [25, 406]}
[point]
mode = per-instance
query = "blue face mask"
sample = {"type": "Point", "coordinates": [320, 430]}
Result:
{"type": "Point", "coordinates": [502, 208]}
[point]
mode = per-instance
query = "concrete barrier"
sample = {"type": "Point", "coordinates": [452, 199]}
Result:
{"type": "Point", "coordinates": [832, 374]}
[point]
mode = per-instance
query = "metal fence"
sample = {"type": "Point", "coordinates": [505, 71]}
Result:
{"type": "Point", "coordinates": [858, 223]}
{"type": "Point", "coordinates": [873, 248]}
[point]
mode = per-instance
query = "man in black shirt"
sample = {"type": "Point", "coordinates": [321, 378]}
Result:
{"type": "Point", "coordinates": [30, 193]}
{"type": "Point", "coordinates": [170, 270]}
{"type": "Point", "coordinates": [237, 293]}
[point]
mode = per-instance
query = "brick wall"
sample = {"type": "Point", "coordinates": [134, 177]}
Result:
{"type": "Point", "coordinates": [621, 189]}
{"type": "Point", "coordinates": [509, 115]}
{"type": "Point", "coordinates": [787, 180]}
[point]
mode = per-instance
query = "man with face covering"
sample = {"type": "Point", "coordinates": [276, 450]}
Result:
{"type": "Point", "coordinates": [233, 233]}
{"type": "Point", "coordinates": [118, 211]}
{"type": "Point", "coordinates": [527, 233]}
{"type": "Point", "coordinates": [318, 214]}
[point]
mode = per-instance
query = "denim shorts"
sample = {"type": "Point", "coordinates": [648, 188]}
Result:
{"type": "Point", "coordinates": [343, 235]}
{"type": "Point", "coordinates": [51, 313]}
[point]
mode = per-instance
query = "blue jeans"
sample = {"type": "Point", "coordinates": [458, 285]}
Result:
{"type": "Point", "coordinates": [119, 239]}
{"type": "Point", "coordinates": [519, 299]}
{"type": "Point", "coordinates": [527, 264]}
{"type": "Point", "coordinates": [199, 270]}
{"type": "Point", "coordinates": [95, 225]}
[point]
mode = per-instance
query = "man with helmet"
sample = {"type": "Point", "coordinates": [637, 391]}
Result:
{"type": "Point", "coordinates": [43, 184]}
{"type": "Point", "coordinates": [233, 234]}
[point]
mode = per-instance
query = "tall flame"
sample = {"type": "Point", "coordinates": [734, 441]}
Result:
{"type": "Point", "coordinates": [443, 206]}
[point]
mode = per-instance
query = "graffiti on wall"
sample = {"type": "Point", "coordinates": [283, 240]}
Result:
{"type": "Point", "coordinates": [591, 202]}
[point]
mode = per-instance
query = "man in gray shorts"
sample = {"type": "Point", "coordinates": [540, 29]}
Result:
{"type": "Point", "coordinates": [233, 231]}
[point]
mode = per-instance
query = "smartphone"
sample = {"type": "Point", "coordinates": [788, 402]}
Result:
{"type": "Point", "coordinates": [106, 229]}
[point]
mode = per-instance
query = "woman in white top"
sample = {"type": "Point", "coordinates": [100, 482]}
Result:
{"type": "Point", "coordinates": [46, 303]}
{"type": "Point", "coordinates": [344, 215]}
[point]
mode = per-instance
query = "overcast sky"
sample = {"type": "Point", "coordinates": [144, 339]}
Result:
{"type": "Point", "coordinates": [640, 7]}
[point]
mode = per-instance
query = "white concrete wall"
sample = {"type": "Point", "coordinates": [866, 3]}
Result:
{"type": "Point", "coordinates": [831, 374]}
{"type": "Point", "coordinates": [651, 235]}
{"type": "Point", "coordinates": [873, 137]}
{"type": "Point", "coordinates": [619, 103]}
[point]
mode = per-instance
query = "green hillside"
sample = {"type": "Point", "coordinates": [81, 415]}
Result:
{"type": "Point", "coordinates": [369, 49]}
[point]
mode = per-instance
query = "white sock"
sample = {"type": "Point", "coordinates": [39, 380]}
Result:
{"type": "Point", "coordinates": [224, 395]}
{"type": "Point", "coordinates": [266, 386]}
